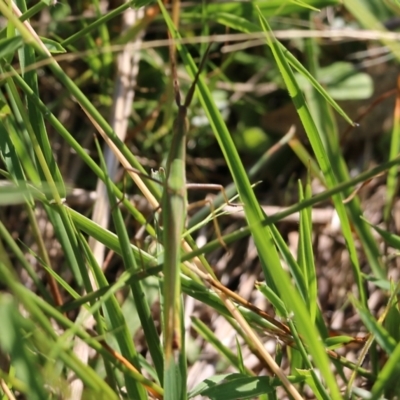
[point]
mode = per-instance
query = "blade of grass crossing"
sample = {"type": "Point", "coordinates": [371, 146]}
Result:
{"type": "Point", "coordinates": [294, 268]}
{"type": "Point", "coordinates": [326, 195]}
{"type": "Point", "coordinates": [387, 375]}
{"type": "Point", "coordinates": [19, 255]}
{"type": "Point", "coordinates": [23, 152]}
{"type": "Point", "coordinates": [17, 135]}
{"type": "Point", "coordinates": [114, 319]}
{"type": "Point", "coordinates": [16, 345]}
{"type": "Point", "coordinates": [63, 230]}
{"type": "Point", "coordinates": [230, 190]}
{"type": "Point", "coordinates": [12, 148]}
{"type": "Point", "coordinates": [226, 144]}
{"type": "Point", "coordinates": [209, 336]}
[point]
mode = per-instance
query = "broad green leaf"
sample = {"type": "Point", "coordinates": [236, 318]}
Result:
{"type": "Point", "coordinates": [342, 81]}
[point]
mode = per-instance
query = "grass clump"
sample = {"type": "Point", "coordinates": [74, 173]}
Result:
{"type": "Point", "coordinates": [295, 298]}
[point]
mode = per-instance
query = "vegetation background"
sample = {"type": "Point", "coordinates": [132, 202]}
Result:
{"type": "Point", "coordinates": [299, 297]}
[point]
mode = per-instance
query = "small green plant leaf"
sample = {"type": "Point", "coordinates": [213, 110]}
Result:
{"type": "Point", "coordinates": [390, 238]}
{"type": "Point", "coordinates": [337, 341]}
{"type": "Point", "coordinates": [342, 81]}
{"type": "Point", "coordinates": [53, 46]}
{"type": "Point", "coordinates": [272, 298]}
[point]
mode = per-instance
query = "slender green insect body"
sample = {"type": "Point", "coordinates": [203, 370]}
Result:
{"type": "Point", "coordinates": [174, 206]}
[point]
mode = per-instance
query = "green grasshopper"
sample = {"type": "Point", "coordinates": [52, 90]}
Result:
{"type": "Point", "coordinates": [174, 208]}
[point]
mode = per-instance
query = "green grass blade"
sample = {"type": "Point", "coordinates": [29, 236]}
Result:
{"type": "Point", "coordinates": [211, 338]}
{"type": "Point", "coordinates": [319, 356]}
{"type": "Point", "coordinates": [306, 259]}
{"type": "Point", "coordinates": [269, 8]}
{"type": "Point", "coordinates": [74, 90]}
{"type": "Point", "coordinates": [126, 343]}
{"type": "Point", "coordinates": [323, 115]}
{"type": "Point", "coordinates": [319, 150]}
{"type": "Point", "coordinates": [71, 141]}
